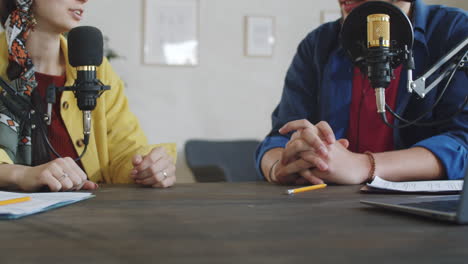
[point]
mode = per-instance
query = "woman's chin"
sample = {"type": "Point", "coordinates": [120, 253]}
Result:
{"type": "Point", "coordinates": [68, 27]}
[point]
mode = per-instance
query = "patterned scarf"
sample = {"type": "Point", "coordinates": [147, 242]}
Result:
{"type": "Point", "coordinates": [18, 26]}
{"type": "Point", "coordinates": [32, 148]}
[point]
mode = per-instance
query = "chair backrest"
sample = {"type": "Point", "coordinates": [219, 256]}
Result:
{"type": "Point", "coordinates": [231, 161]}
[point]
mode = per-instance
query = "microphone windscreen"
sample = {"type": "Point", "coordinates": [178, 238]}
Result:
{"type": "Point", "coordinates": [354, 29]}
{"type": "Point", "coordinates": [85, 46]}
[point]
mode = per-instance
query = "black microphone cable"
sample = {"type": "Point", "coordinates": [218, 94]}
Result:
{"type": "Point", "coordinates": [42, 127]}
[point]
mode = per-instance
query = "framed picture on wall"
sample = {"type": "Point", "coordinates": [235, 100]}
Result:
{"type": "Point", "coordinates": [259, 36]}
{"type": "Point", "coordinates": [171, 32]}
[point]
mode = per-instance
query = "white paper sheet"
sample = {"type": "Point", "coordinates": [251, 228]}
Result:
{"type": "Point", "coordinates": [39, 202]}
{"type": "Point", "coordinates": [418, 186]}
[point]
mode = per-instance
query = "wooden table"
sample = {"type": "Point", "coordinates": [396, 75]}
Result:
{"type": "Point", "coordinates": [228, 223]}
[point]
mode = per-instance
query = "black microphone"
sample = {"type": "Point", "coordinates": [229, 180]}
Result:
{"type": "Point", "coordinates": [85, 53]}
{"type": "Point", "coordinates": [378, 37]}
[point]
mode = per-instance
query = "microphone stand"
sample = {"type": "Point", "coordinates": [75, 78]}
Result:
{"type": "Point", "coordinates": [19, 106]}
{"type": "Point", "coordinates": [93, 90]}
{"type": "Point", "coordinates": [25, 111]}
{"type": "Point", "coordinates": [419, 85]}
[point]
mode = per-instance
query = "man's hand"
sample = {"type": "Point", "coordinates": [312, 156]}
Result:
{"type": "Point", "coordinates": [313, 156]}
{"type": "Point", "coordinates": [343, 166]}
{"type": "Point", "coordinates": [156, 169]}
{"type": "Point", "coordinates": [308, 137]}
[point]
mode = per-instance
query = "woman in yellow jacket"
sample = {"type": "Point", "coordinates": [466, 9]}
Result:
{"type": "Point", "coordinates": [32, 56]}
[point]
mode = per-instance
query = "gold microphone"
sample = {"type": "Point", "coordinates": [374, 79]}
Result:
{"type": "Point", "coordinates": [378, 30]}
{"type": "Point", "coordinates": [378, 38]}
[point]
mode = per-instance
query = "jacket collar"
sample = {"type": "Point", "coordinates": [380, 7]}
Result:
{"type": "Point", "coordinates": [420, 15]}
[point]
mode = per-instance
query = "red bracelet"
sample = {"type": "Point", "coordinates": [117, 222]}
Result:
{"type": "Point", "coordinates": [371, 176]}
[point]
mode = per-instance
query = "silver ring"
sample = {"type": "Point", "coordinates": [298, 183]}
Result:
{"type": "Point", "coordinates": [64, 175]}
{"type": "Point", "coordinates": [165, 175]}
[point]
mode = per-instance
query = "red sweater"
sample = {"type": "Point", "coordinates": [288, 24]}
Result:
{"type": "Point", "coordinates": [366, 131]}
{"type": "Point", "coordinates": [57, 132]}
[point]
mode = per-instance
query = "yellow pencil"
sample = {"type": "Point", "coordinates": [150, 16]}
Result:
{"type": "Point", "coordinates": [305, 189]}
{"type": "Point", "coordinates": [16, 200]}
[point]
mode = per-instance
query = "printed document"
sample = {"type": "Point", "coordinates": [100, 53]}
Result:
{"type": "Point", "coordinates": [417, 186]}
{"type": "Point", "coordinates": [39, 202]}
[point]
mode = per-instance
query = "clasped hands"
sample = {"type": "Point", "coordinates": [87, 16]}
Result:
{"type": "Point", "coordinates": [314, 156]}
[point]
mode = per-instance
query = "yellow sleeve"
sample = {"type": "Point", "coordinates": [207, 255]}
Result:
{"type": "Point", "coordinates": [125, 138]}
{"type": "Point", "coordinates": [4, 158]}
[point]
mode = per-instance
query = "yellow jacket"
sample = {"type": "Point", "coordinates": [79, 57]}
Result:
{"type": "Point", "coordinates": [116, 134]}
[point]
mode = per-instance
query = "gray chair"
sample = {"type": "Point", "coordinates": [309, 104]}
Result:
{"type": "Point", "coordinates": [215, 161]}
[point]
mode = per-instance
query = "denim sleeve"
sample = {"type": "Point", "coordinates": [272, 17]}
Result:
{"type": "Point", "coordinates": [268, 143]}
{"type": "Point", "coordinates": [451, 142]}
{"type": "Point", "coordinates": [296, 101]}
{"type": "Point", "coordinates": [450, 152]}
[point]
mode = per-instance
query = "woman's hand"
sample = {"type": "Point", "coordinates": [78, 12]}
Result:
{"type": "Point", "coordinates": [61, 174]}
{"type": "Point", "coordinates": [156, 169]}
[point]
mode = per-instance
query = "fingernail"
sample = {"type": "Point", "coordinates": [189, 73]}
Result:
{"type": "Point", "coordinates": [138, 160]}
{"type": "Point", "coordinates": [96, 185]}
{"type": "Point", "coordinates": [322, 166]}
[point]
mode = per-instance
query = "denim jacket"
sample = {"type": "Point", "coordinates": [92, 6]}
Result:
{"type": "Point", "coordinates": [318, 87]}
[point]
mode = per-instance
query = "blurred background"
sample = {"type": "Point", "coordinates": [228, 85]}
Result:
{"type": "Point", "coordinates": [227, 95]}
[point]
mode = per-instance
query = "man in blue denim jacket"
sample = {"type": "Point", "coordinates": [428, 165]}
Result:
{"type": "Point", "coordinates": [317, 99]}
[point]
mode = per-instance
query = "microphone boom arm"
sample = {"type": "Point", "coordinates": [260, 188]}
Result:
{"type": "Point", "coordinates": [419, 85]}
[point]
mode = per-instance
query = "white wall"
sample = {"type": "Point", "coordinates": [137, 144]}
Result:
{"type": "Point", "coordinates": [228, 95]}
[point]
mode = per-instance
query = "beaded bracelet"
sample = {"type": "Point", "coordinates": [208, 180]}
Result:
{"type": "Point", "coordinates": [271, 169]}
